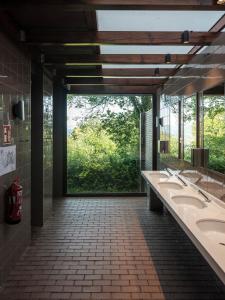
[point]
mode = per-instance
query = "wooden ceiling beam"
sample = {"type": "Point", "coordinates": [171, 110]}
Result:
{"type": "Point", "coordinates": [96, 38]}
{"type": "Point", "coordinates": [115, 81]}
{"type": "Point", "coordinates": [118, 90]}
{"type": "Point", "coordinates": [180, 59]}
{"type": "Point", "coordinates": [208, 79]}
{"type": "Point", "coordinates": [131, 72]}
{"type": "Point", "coordinates": [120, 4]}
{"type": "Point", "coordinates": [115, 59]}
{"type": "Point", "coordinates": [217, 27]}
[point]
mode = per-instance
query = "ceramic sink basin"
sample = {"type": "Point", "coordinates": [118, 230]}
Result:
{"type": "Point", "coordinates": [193, 177]}
{"type": "Point", "coordinates": [159, 175]}
{"type": "Point", "coordinates": [214, 230]}
{"type": "Point", "coordinates": [189, 201]}
{"type": "Point", "coordinates": [170, 185]}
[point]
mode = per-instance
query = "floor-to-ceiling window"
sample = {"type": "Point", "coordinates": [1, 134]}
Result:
{"type": "Point", "coordinates": [174, 126]}
{"type": "Point", "coordinates": [169, 125]}
{"type": "Point", "coordinates": [164, 120]}
{"type": "Point", "coordinates": [103, 143]}
{"type": "Point", "coordinates": [169, 130]}
{"type": "Point", "coordinates": [189, 125]}
{"type": "Point", "coordinates": [214, 130]}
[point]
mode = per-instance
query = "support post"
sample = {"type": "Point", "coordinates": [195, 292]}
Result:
{"type": "Point", "coordinates": [153, 202]}
{"type": "Point", "coordinates": [37, 146]}
{"type": "Point", "coordinates": [181, 129]}
{"type": "Point", "coordinates": [59, 143]}
{"type": "Point", "coordinates": [155, 130]}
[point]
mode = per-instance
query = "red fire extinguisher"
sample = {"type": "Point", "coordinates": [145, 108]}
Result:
{"type": "Point", "coordinates": [14, 203]}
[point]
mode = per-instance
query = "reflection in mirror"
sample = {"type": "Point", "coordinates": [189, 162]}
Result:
{"type": "Point", "coordinates": [194, 127]}
{"type": "Point", "coordinates": [214, 127]}
{"type": "Point", "coordinates": [189, 119]}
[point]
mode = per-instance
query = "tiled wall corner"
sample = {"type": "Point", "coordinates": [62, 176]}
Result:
{"type": "Point", "coordinates": [15, 85]}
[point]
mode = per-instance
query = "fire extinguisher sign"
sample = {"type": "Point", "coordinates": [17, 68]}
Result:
{"type": "Point", "coordinates": [7, 134]}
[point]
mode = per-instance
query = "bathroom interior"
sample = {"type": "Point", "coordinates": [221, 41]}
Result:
{"type": "Point", "coordinates": [162, 237]}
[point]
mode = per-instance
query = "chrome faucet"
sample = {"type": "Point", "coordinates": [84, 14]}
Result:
{"type": "Point", "coordinates": [169, 172]}
{"type": "Point", "coordinates": [204, 195]}
{"type": "Point", "coordinates": [178, 177]}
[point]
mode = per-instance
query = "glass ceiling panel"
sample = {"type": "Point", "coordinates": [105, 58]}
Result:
{"type": "Point", "coordinates": [106, 49]}
{"type": "Point", "coordinates": [127, 20]}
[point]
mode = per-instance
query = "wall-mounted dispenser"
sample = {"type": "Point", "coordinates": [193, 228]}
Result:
{"type": "Point", "coordinates": [161, 121]}
{"type": "Point", "coordinates": [18, 110]}
{"type": "Point", "coordinates": [200, 157]}
{"type": "Point", "coordinates": [164, 146]}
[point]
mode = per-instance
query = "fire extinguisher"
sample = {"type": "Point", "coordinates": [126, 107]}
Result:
{"type": "Point", "coordinates": [14, 202]}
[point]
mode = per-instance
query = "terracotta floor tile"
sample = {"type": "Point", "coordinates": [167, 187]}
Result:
{"type": "Point", "coordinates": [111, 248]}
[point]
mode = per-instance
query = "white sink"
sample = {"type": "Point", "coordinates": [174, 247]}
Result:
{"type": "Point", "coordinates": [189, 201]}
{"type": "Point", "coordinates": [170, 185]}
{"type": "Point", "coordinates": [159, 175]}
{"type": "Point", "coordinates": [193, 177]}
{"type": "Point", "coordinates": [214, 230]}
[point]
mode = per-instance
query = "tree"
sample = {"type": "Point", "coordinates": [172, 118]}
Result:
{"type": "Point", "coordinates": [103, 147]}
{"type": "Point", "coordinates": [214, 137]}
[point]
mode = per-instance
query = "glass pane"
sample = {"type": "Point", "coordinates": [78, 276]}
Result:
{"type": "Point", "coordinates": [103, 143]}
{"type": "Point", "coordinates": [164, 115]}
{"type": "Point", "coordinates": [174, 119]}
{"type": "Point", "coordinates": [214, 131]}
{"type": "Point", "coordinates": [189, 126]}
{"type": "Point", "coordinates": [169, 114]}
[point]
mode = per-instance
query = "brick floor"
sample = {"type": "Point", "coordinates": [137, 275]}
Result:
{"type": "Point", "coordinates": [111, 248]}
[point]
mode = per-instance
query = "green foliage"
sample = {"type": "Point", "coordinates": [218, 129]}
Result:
{"type": "Point", "coordinates": [96, 164]}
{"type": "Point", "coordinates": [102, 150]}
{"type": "Point", "coordinates": [123, 129]}
{"type": "Point", "coordinates": [174, 146]}
{"type": "Point", "coordinates": [214, 138]}
{"type": "Point", "coordinates": [214, 129]}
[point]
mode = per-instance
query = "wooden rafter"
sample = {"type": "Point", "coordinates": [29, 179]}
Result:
{"type": "Point", "coordinates": [180, 59]}
{"type": "Point", "coordinates": [217, 27]}
{"type": "Point", "coordinates": [115, 81]}
{"type": "Point", "coordinates": [71, 72]}
{"type": "Point", "coordinates": [93, 38]}
{"type": "Point", "coordinates": [112, 90]}
{"type": "Point", "coordinates": [120, 4]}
{"type": "Point", "coordinates": [131, 72]}
{"type": "Point", "coordinates": [220, 25]}
{"type": "Point", "coordinates": [115, 59]}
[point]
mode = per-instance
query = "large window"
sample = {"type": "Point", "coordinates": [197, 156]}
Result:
{"type": "Point", "coordinates": [174, 127]}
{"type": "Point", "coordinates": [189, 120]}
{"type": "Point", "coordinates": [165, 118]}
{"type": "Point", "coordinates": [103, 143]}
{"type": "Point", "coordinates": [214, 130]}
{"type": "Point", "coordinates": [169, 116]}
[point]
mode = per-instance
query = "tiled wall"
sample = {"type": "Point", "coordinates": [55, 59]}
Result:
{"type": "Point", "coordinates": [16, 86]}
{"type": "Point", "coordinates": [47, 145]}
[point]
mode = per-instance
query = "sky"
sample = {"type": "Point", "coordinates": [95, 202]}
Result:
{"type": "Point", "coordinates": [76, 115]}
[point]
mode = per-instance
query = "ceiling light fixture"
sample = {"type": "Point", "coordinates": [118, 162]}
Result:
{"type": "Point", "coordinates": [168, 58]}
{"type": "Point", "coordinates": [222, 2]}
{"type": "Point", "coordinates": [185, 37]}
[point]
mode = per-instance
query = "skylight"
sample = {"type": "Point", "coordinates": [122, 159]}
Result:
{"type": "Point", "coordinates": [127, 20]}
{"type": "Point", "coordinates": [153, 21]}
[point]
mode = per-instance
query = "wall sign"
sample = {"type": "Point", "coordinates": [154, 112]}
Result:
{"type": "Point", "coordinates": [7, 159]}
{"type": "Point", "coordinates": [7, 134]}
